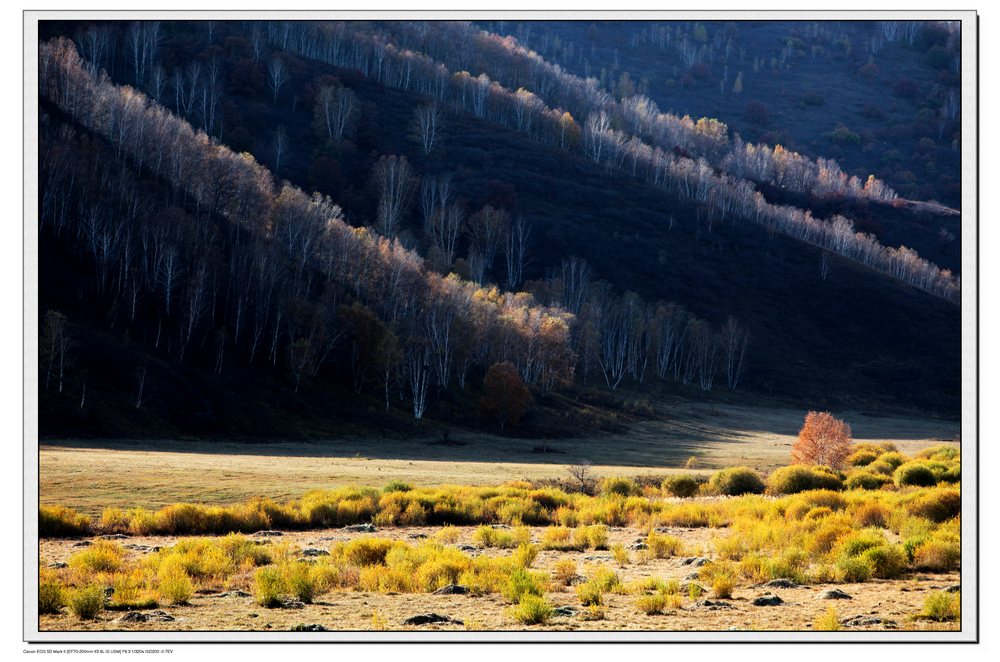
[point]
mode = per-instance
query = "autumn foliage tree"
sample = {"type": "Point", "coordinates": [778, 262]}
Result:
{"type": "Point", "coordinates": [823, 440]}
{"type": "Point", "coordinates": [506, 399]}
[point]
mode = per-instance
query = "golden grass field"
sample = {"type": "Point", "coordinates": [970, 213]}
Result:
{"type": "Point", "coordinates": [133, 542]}
{"type": "Point", "coordinates": [91, 475]}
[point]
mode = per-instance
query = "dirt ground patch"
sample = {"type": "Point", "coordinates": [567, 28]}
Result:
{"type": "Point", "coordinates": [896, 601]}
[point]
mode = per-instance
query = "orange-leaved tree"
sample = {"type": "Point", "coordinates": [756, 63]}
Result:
{"type": "Point", "coordinates": [824, 440]}
{"type": "Point", "coordinates": [507, 399]}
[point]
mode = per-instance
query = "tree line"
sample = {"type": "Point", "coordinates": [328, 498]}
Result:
{"type": "Point", "coordinates": [669, 161]}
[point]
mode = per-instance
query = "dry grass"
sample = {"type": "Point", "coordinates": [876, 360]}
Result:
{"type": "Point", "coordinates": [90, 476]}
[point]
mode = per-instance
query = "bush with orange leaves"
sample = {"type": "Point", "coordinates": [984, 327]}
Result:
{"type": "Point", "coordinates": [506, 399]}
{"type": "Point", "coordinates": [823, 440]}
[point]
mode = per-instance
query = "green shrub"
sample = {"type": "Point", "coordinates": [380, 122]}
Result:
{"type": "Point", "coordinates": [51, 596]}
{"type": "Point", "coordinates": [268, 586]}
{"type": "Point", "coordinates": [941, 453]}
{"type": "Point", "coordinates": [174, 583]}
{"type": "Point", "coordinates": [487, 536]}
{"type": "Point", "coordinates": [857, 543]}
{"type": "Point", "coordinates": [620, 486]}
{"type": "Point", "coordinates": [938, 505]}
{"type": "Point", "coordinates": [87, 602]}
{"type": "Point", "coordinates": [102, 556]}
{"type": "Point", "coordinates": [532, 610]}
{"type": "Point", "coordinates": [61, 522]}
{"type": "Point", "coordinates": [396, 486]}
{"type": "Point", "coordinates": [864, 454]}
{"type": "Point", "coordinates": [652, 604]}
{"type": "Point", "coordinates": [367, 551]}
{"type": "Point", "coordinates": [887, 462]}
{"type": "Point", "coordinates": [914, 473]}
{"type": "Point", "coordinates": [594, 536]}
{"type": "Point", "coordinates": [800, 478]}
{"type": "Point", "coordinates": [300, 581]}
{"type": "Point", "coordinates": [942, 606]}
{"type": "Point", "coordinates": [590, 593]}
{"type": "Point", "coordinates": [662, 546]}
{"type": "Point", "coordinates": [854, 569]}
{"type": "Point", "coordinates": [887, 561]}
{"type": "Point", "coordinates": [737, 480]}
{"type": "Point", "coordinates": [865, 479]}
{"type": "Point", "coordinates": [521, 582]}
{"type": "Point", "coordinates": [680, 486]}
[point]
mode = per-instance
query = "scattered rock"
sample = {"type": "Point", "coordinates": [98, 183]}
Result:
{"type": "Point", "coordinates": [861, 621]}
{"type": "Point", "coordinates": [314, 551]}
{"type": "Point", "coordinates": [712, 605]}
{"type": "Point", "coordinates": [834, 594]}
{"type": "Point", "coordinates": [638, 546]}
{"type": "Point", "coordinates": [691, 576]}
{"type": "Point", "coordinates": [292, 604]}
{"type": "Point", "coordinates": [114, 536]}
{"type": "Point", "coordinates": [268, 534]}
{"type": "Point", "coordinates": [954, 588]}
{"type": "Point", "coordinates": [139, 617]}
{"type": "Point", "coordinates": [58, 565]}
{"type": "Point", "coordinates": [452, 589]}
{"type": "Point", "coordinates": [82, 543]}
{"type": "Point", "coordinates": [417, 536]}
{"type": "Point", "coordinates": [781, 582]}
{"type": "Point", "coordinates": [767, 600]}
{"type": "Point", "coordinates": [467, 548]}
{"type": "Point", "coordinates": [686, 587]}
{"type": "Point", "coordinates": [138, 548]}
{"type": "Point", "coordinates": [565, 611]}
{"type": "Point", "coordinates": [311, 627]}
{"type": "Point", "coordinates": [696, 561]}
{"type": "Point", "coordinates": [361, 528]}
{"type": "Point", "coordinates": [232, 594]}
{"type": "Point", "coordinates": [425, 619]}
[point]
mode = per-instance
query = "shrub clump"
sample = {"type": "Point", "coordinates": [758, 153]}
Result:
{"type": "Point", "coordinates": [866, 479]}
{"type": "Point", "coordinates": [914, 473]}
{"type": "Point", "coordinates": [683, 486]}
{"type": "Point", "coordinates": [800, 478]}
{"type": "Point", "coordinates": [737, 480]}
{"type": "Point", "coordinates": [532, 610]}
{"type": "Point", "coordinates": [51, 595]}
{"type": "Point", "coordinates": [942, 606]}
{"type": "Point", "coordinates": [268, 586]}
{"type": "Point", "coordinates": [87, 602]}
{"type": "Point", "coordinates": [62, 522]}
{"type": "Point", "coordinates": [619, 486]}
{"type": "Point", "coordinates": [938, 505]}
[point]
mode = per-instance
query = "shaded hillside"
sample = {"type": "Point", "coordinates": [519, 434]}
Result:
{"type": "Point", "coordinates": [854, 338]}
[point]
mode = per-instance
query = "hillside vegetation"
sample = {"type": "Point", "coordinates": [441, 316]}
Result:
{"type": "Point", "coordinates": [231, 301]}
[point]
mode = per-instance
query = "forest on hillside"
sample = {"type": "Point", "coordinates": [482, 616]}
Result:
{"type": "Point", "coordinates": [319, 228]}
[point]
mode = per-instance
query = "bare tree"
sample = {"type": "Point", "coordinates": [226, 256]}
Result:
{"type": "Point", "coordinates": [580, 472]}
{"type": "Point", "coordinates": [280, 146]}
{"type": "Point", "coordinates": [395, 181]}
{"type": "Point", "coordinates": [54, 345]}
{"type": "Point", "coordinates": [277, 76]}
{"type": "Point", "coordinates": [734, 339]}
{"type": "Point", "coordinates": [516, 251]}
{"type": "Point", "coordinates": [335, 107]}
{"type": "Point", "coordinates": [428, 121]}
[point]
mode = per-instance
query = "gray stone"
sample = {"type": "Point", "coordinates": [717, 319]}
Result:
{"type": "Point", "coordinates": [310, 627]}
{"type": "Point", "coordinates": [314, 551]}
{"type": "Point", "coordinates": [954, 588]}
{"type": "Point", "coordinates": [58, 565]}
{"type": "Point", "coordinates": [292, 604]}
{"type": "Point", "coordinates": [636, 546]}
{"type": "Point", "coordinates": [425, 619]}
{"type": "Point", "coordinates": [868, 621]}
{"type": "Point", "coordinates": [565, 611]}
{"type": "Point", "coordinates": [82, 543]}
{"type": "Point", "coordinates": [696, 561]}
{"type": "Point", "coordinates": [712, 605]}
{"type": "Point", "coordinates": [114, 536]}
{"type": "Point", "coordinates": [139, 617]}
{"type": "Point", "coordinates": [268, 534]}
{"type": "Point", "coordinates": [232, 594]}
{"type": "Point", "coordinates": [361, 528]}
{"type": "Point", "coordinates": [834, 594]}
{"type": "Point", "coordinates": [781, 582]}
{"type": "Point", "coordinates": [452, 589]}
{"type": "Point", "coordinates": [691, 576]}
{"type": "Point", "coordinates": [767, 600]}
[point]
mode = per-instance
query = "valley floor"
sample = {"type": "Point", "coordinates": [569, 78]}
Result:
{"type": "Point", "coordinates": [90, 475]}
{"type": "Point", "coordinates": [890, 604]}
